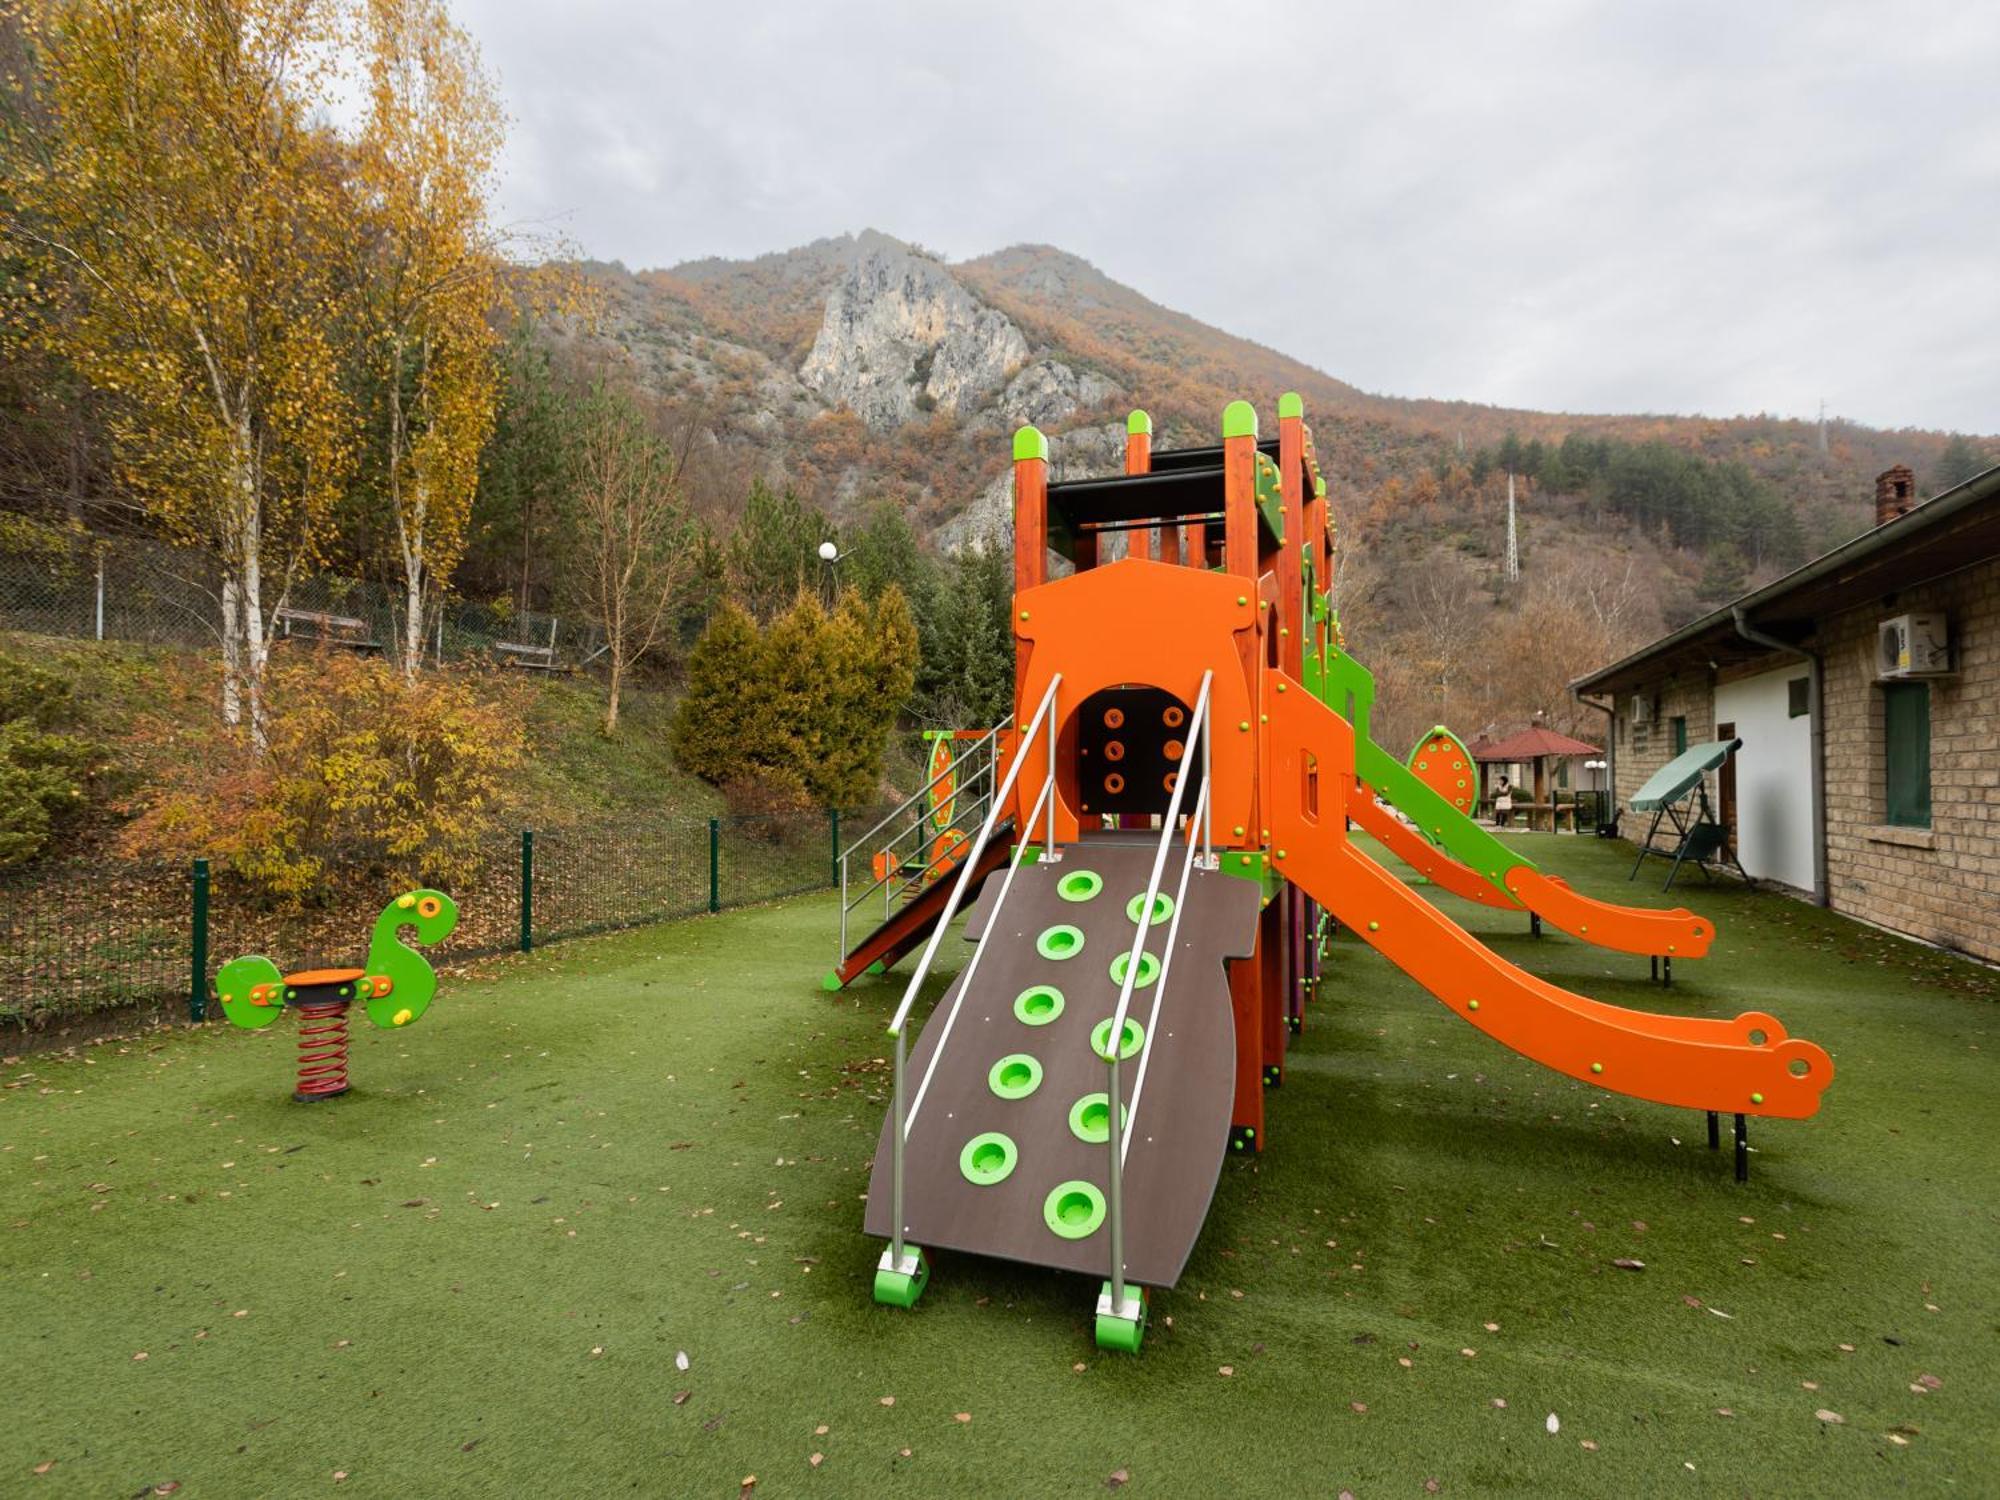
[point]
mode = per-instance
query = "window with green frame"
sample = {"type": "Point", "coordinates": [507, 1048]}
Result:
{"type": "Point", "coordinates": [1680, 727]}
{"type": "Point", "coordinates": [1906, 753]}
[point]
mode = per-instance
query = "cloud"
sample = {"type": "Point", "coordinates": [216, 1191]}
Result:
{"type": "Point", "coordinates": [1692, 208]}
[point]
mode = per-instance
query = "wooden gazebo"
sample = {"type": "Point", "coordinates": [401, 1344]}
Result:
{"type": "Point", "coordinates": [1536, 747]}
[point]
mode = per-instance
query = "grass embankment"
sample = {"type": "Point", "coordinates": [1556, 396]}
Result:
{"type": "Point", "coordinates": [473, 1276]}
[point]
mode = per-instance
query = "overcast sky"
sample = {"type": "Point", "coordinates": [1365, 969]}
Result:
{"type": "Point", "coordinates": [1684, 207]}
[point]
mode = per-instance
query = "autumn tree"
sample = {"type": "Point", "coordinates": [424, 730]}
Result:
{"type": "Point", "coordinates": [185, 219]}
{"type": "Point", "coordinates": [430, 278]}
{"type": "Point", "coordinates": [638, 544]}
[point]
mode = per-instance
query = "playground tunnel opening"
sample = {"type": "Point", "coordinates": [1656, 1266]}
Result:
{"type": "Point", "coordinates": [1123, 751]}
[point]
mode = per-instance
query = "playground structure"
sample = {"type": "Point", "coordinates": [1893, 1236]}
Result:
{"type": "Point", "coordinates": [1161, 825]}
{"type": "Point", "coordinates": [395, 985]}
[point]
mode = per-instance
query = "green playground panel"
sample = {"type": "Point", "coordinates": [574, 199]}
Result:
{"type": "Point", "coordinates": [1149, 969]}
{"type": "Point", "coordinates": [988, 1158]}
{"type": "Point", "coordinates": [1038, 1005]}
{"type": "Point", "coordinates": [1015, 1076]}
{"type": "Point", "coordinates": [1060, 942]}
{"type": "Point", "coordinates": [1090, 1118]}
{"type": "Point", "coordinates": [1129, 1043]}
{"type": "Point", "coordinates": [1460, 837]}
{"type": "Point", "coordinates": [1079, 885]}
{"type": "Point", "coordinates": [1073, 1209]}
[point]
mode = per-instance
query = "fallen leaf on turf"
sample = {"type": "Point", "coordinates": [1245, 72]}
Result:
{"type": "Point", "coordinates": [339, 1475]}
{"type": "Point", "coordinates": [1845, 1348]}
{"type": "Point", "coordinates": [1431, 1486]}
{"type": "Point", "coordinates": [1626, 1263]}
{"type": "Point", "coordinates": [1829, 1416]}
{"type": "Point", "coordinates": [961, 1416]}
{"type": "Point", "coordinates": [902, 1453]}
{"type": "Point", "coordinates": [1404, 1361]}
{"type": "Point", "coordinates": [1227, 1370]}
{"type": "Point", "coordinates": [1116, 1479]}
{"type": "Point", "coordinates": [1554, 1423]}
{"type": "Point", "coordinates": [169, 1487]}
{"type": "Point", "coordinates": [819, 1458]}
{"type": "Point", "coordinates": [820, 1431]}
{"type": "Point", "coordinates": [1899, 1440]}
{"type": "Point", "coordinates": [1501, 1402]}
{"type": "Point", "coordinates": [1720, 1313]}
{"type": "Point", "coordinates": [749, 1484]}
{"type": "Point", "coordinates": [1586, 1445]}
{"type": "Point", "coordinates": [680, 1397]}
{"type": "Point", "coordinates": [141, 1355]}
{"type": "Point", "coordinates": [1470, 1353]}
{"type": "Point", "coordinates": [415, 1202]}
{"type": "Point", "coordinates": [681, 1360]}
{"type": "Point", "coordinates": [1491, 1327]}
{"type": "Point", "coordinates": [1358, 1405]}
{"type": "Point", "coordinates": [1929, 1382]}
{"type": "Point", "coordinates": [597, 1352]}
{"type": "Point", "coordinates": [888, 1400]}
{"type": "Point", "coordinates": [1690, 1301]}
{"type": "Point", "coordinates": [44, 1468]}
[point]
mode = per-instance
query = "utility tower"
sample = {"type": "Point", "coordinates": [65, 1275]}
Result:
{"type": "Point", "coordinates": [1513, 564]}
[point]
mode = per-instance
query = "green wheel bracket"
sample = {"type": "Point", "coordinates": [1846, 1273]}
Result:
{"type": "Point", "coordinates": [1079, 885]}
{"type": "Point", "coordinates": [1163, 907]}
{"type": "Point", "coordinates": [1100, 1039]}
{"type": "Point", "coordinates": [901, 1286]}
{"type": "Point", "coordinates": [1090, 1118]}
{"type": "Point", "coordinates": [988, 1159]}
{"type": "Point", "coordinates": [1015, 1076]}
{"type": "Point", "coordinates": [1038, 1005]}
{"type": "Point", "coordinates": [1149, 969]}
{"type": "Point", "coordinates": [1122, 1334]}
{"type": "Point", "coordinates": [1060, 942]}
{"type": "Point", "coordinates": [1074, 1209]}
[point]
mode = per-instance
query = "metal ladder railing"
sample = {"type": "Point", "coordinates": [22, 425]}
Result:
{"type": "Point", "coordinates": [906, 874]}
{"type": "Point", "coordinates": [1115, 1301]}
{"type": "Point", "coordinates": [894, 1258]}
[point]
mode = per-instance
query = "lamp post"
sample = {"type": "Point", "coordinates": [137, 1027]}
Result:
{"type": "Point", "coordinates": [831, 555]}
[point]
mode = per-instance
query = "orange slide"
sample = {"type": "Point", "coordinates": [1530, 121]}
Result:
{"type": "Point", "coordinates": [1420, 854]}
{"type": "Point", "coordinates": [1743, 1066]}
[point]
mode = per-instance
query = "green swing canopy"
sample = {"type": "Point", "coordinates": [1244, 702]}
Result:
{"type": "Point", "coordinates": [1680, 775]}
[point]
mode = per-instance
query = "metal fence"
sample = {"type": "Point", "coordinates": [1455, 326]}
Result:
{"type": "Point", "coordinates": [117, 935]}
{"type": "Point", "coordinates": [110, 588]}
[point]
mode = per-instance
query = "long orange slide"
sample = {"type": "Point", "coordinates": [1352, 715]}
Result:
{"type": "Point", "coordinates": [1745, 1066]}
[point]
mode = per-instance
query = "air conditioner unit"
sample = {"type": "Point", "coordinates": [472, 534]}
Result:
{"type": "Point", "coordinates": [1641, 711]}
{"type": "Point", "coordinates": [1913, 646]}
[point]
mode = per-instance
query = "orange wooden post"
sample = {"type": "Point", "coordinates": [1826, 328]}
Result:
{"type": "Point", "coordinates": [1139, 460]}
{"type": "Point", "coordinates": [1031, 524]}
{"type": "Point", "coordinates": [1246, 1112]}
{"type": "Point", "coordinates": [1239, 492]}
{"type": "Point", "coordinates": [1292, 541]}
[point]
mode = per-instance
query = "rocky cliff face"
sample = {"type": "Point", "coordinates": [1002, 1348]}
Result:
{"type": "Point", "coordinates": [901, 338]}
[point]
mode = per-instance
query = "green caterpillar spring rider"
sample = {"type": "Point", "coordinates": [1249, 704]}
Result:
{"type": "Point", "coordinates": [396, 985]}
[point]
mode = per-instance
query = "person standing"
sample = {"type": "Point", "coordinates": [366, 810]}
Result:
{"type": "Point", "coordinates": [1503, 803]}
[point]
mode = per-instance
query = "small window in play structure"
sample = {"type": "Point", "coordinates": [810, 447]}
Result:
{"type": "Point", "coordinates": [1798, 697]}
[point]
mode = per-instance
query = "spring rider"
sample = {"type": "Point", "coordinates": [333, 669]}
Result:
{"type": "Point", "coordinates": [396, 985]}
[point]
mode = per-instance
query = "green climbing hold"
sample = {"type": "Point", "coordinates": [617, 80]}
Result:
{"type": "Point", "coordinates": [1060, 942]}
{"type": "Point", "coordinates": [1038, 1005]}
{"type": "Point", "coordinates": [1100, 1038]}
{"type": "Point", "coordinates": [1073, 1209]}
{"type": "Point", "coordinates": [1149, 969]}
{"type": "Point", "coordinates": [1015, 1076]}
{"type": "Point", "coordinates": [988, 1158]}
{"type": "Point", "coordinates": [1090, 1119]}
{"type": "Point", "coordinates": [1079, 885]}
{"type": "Point", "coordinates": [1163, 907]}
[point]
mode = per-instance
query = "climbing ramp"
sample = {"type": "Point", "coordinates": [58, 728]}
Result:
{"type": "Point", "coordinates": [1006, 1149]}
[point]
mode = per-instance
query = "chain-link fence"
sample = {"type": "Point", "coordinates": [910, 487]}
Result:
{"type": "Point", "coordinates": [73, 583]}
{"type": "Point", "coordinates": [117, 935]}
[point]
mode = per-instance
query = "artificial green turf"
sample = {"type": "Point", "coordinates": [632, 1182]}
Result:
{"type": "Point", "coordinates": [472, 1276]}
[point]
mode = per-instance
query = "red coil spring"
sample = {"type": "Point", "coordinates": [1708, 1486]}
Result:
{"type": "Point", "coordinates": [322, 1050]}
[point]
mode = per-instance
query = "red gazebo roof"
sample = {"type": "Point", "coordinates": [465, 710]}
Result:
{"type": "Point", "coordinates": [1531, 744]}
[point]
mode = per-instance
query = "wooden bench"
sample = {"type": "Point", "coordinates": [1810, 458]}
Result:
{"type": "Point", "coordinates": [527, 658]}
{"type": "Point", "coordinates": [325, 628]}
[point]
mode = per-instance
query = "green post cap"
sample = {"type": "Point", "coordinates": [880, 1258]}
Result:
{"type": "Point", "coordinates": [1319, 489]}
{"type": "Point", "coordinates": [1291, 404]}
{"type": "Point", "coordinates": [1239, 419]}
{"type": "Point", "coordinates": [1138, 421]}
{"type": "Point", "coordinates": [1029, 443]}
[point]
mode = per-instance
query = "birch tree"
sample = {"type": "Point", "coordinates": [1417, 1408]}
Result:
{"type": "Point", "coordinates": [183, 214]}
{"type": "Point", "coordinates": [431, 278]}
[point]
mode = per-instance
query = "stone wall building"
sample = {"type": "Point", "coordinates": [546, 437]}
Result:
{"type": "Point", "coordinates": [1868, 779]}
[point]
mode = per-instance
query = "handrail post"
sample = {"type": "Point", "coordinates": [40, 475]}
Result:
{"type": "Point", "coordinates": [1049, 844]}
{"type": "Point", "coordinates": [1115, 1183]}
{"type": "Point", "coordinates": [896, 1160]}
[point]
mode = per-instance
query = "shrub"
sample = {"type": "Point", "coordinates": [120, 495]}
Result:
{"type": "Point", "coordinates": [407, 777]}
{"type": "Point", "coordinates": [46, 776]}
{"type": "Point", "coordinates": [720, 719]}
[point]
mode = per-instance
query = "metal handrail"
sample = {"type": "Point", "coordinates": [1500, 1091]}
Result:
{"type": "Point", "coordinates": [987, 742]}
{"type": "Point", "coordinates": [1115, 1040]}
{"type": "Point", "coordinates": [1044, 713]}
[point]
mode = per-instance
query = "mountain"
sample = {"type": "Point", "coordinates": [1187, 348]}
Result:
{"type": "Point", "coordinates": [864, 367]}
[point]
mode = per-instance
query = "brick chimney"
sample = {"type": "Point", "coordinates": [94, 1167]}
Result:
{"type": "Point", "coordinates": [1895, 494]}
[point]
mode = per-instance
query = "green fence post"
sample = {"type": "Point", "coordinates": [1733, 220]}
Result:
{"type": "Point", "coordinates": [527, 890]}
{"type": "Point", "coordinates": [833, 816]}
{"type": "Point", "coordinates": [198, 945]}
{"type": "Point", "coordinates": [715, 864]}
